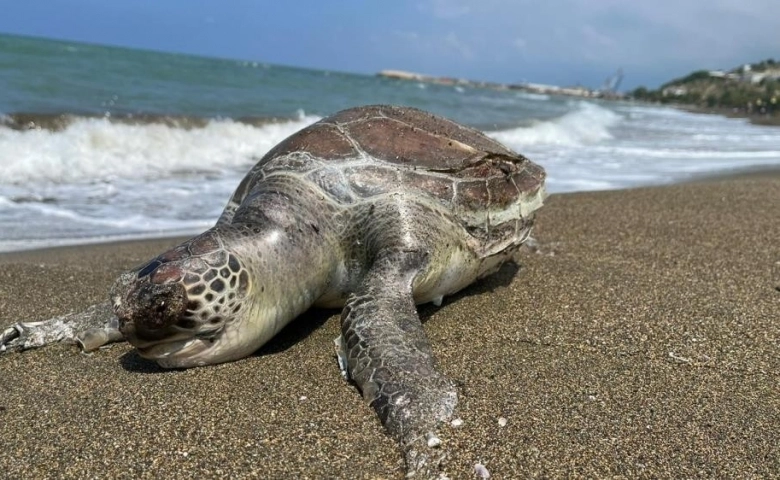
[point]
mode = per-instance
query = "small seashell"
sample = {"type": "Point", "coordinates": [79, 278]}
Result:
{"type": "Point", "coordinates": [502, 422]}
{"type": "Point", "coordinates": [456, 422]}
{"type": "Point", "coordinates": [481, 470]}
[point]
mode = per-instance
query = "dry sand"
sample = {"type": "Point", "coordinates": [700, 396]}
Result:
{"type": "Point", "coordinates": [647, 346]}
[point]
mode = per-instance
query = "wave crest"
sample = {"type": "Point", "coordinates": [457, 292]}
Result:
{"type": "Point", "coordinates": [90, 149]}
{"type": "Point", "coordinates": [588, 124]}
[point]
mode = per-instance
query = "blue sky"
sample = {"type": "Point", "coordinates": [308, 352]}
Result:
{"type": "Point", "coordinates": [562, 42]}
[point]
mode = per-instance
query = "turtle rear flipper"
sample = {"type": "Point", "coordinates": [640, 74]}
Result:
{"type": "Point", "coordinates": [94, 327]}
{"type": "Point", "coordinates": [389, 358]}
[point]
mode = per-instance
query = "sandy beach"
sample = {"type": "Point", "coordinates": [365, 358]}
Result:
{"type": "Point", "coordinates": [643, 341]}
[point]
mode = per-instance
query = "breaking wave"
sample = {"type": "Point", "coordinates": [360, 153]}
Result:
{"type": "Point", "coordinates": [588, 124]}
{"type": "Point", "coordinates": [82, 149]}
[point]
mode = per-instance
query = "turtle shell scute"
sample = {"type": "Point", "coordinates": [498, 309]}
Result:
{"type": "Point", "coordinates": [371, 180]}
{"type": "Point", "coordinates": [320, 140]}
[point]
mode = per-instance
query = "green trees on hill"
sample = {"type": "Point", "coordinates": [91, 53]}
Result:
{"type": "Point", "coordinates": [751, 89]}
{"type": "Point", "coordinates": [697, 75]}
{"type": "Point", "coordinates": [768, 64]}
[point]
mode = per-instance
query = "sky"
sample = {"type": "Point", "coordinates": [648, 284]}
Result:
{"type": "Point", "coordinates": [562, 42]}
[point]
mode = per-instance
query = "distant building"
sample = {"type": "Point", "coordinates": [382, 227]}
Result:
{"type": "Point", "coordinates": [725, 75]}
{"type": "Point", "coordinates": [402, 75]}
{"type": "Point", "coordinates": [758, 77]}
{"type": "Point", "coordinates": [674, 91]}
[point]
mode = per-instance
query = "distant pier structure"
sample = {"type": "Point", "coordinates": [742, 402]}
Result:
{"type": "Point", "coordinates": [609, 90]}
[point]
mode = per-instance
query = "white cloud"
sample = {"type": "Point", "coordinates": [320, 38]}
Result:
{"type": "Point", "coordinates": [509, 39]}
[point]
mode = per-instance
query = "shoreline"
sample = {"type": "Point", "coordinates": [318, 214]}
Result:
{"type": "Point", "coordinates": [759, 119]}
{"type": "Point", "coordinates": [640, 342]}
{"type": "Point", "coordinates": [97, 241]}
{"type": "Point", "coordinates": [736, 173]}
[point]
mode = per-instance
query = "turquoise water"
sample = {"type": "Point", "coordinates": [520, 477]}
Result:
{"type": "Point", "coordinates": [43, 76]}
{"type": "Point", "coordinates": [101, 142]}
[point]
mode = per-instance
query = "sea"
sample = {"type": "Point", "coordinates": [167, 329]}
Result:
{"type": "Point", "coordinates": [103, 143]}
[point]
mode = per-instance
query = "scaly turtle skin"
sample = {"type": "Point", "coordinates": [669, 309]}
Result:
{"type": "Point", "coordinates": [375, 209]}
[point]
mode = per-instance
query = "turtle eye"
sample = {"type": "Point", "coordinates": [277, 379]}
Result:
{"type": "Point", "coordinates": [152, 266]}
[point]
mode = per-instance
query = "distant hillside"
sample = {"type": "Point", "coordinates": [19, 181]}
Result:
{"type": "Point", "coordinates": [751, 89]}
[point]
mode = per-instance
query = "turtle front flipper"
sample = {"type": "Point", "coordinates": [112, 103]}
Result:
{"type": "Point", "coordinates": [94, 327]}
{"type": "Point", "coordinates": [389, 358]}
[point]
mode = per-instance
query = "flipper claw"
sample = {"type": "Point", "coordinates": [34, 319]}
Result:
{"type": "Point", "coordinates": [341, 356]}
{"type": "Point", "coordinates": [8, 335]}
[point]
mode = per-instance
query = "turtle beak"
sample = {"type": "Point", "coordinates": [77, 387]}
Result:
{"type": "Point", "coordinates": [146, 310]}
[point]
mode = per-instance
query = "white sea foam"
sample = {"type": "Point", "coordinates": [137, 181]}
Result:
{"type": "Point", "coordinates": [98, 179]}
{"type": "Point", "coordinates": [597, 148]}
{"type": "Point", "coordinates": [92, 149]}
{"type": "Point", "coordinates": [540, 97]}
{"type": "Point", "coordinates": [588, 124]}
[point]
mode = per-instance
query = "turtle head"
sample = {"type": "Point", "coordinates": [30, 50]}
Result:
{"type": "Point", "coordinates": [188, 306]}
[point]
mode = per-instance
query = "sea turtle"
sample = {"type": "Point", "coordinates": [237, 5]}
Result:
{"type": "Point", "coordinates": [375, 209]}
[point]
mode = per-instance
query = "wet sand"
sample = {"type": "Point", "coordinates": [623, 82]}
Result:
{"type": "Point", "coordinates": [644, 342]}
